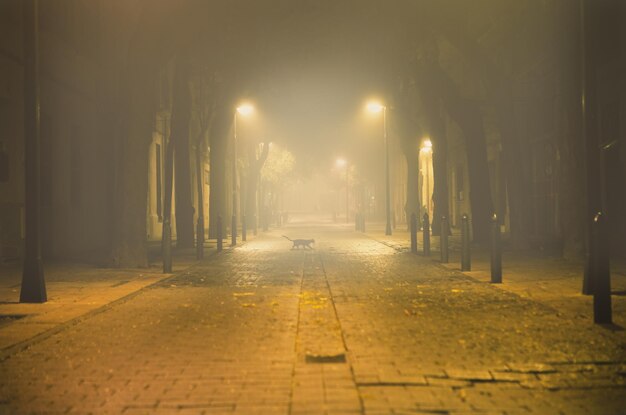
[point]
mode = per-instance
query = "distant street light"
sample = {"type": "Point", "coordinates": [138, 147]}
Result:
{"type": "Point", "coordinates": [343, 163]}
{"type": "Point", "coordinates": [376, 107]}
{"type": "Point", "coordinates": [426, 160]}
{"type": "Point", "coordinates": [244, 110]}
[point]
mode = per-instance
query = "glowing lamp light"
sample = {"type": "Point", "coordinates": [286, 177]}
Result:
{"type": "Point", "coordinates": [341, 162]}
{"type": "Point", "coordinates": [375, 106]}
{"type": "Point", "coordinates": [245, 109]}
{"type": "Point", "coordinates": [427, 145]}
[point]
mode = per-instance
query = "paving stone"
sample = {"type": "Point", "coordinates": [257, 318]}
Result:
{"type": "Point", "coordinates": [232, 335]}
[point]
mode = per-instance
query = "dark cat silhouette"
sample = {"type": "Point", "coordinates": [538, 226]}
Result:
{"type": "Point", "coordinates": [297, 243]}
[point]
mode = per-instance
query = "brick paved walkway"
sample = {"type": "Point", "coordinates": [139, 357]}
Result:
{"type": "Point", "coordinates": [353, 326]}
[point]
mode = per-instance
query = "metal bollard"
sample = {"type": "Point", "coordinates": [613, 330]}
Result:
{"type": "Point", "coordinates": [601, 271]}
{"type": "Point", "coordinates": [167, 246]}
{"type": "Point", "coordinates": [357, 222]}
{"type": "Point", "coordinates": [233, 230]}
{"type": "Point", "coordinates": [363, 223]}
{"type": "Point", "coordinates": [413, 233]}
{"type": "Point", "coordinates": [496, 251]}
{"type": "Point", "coordinates": [443, 240]}
{"type": "Point", "coordinates": [244, 229]}
{"type": "Point", "coordinates": [200, 239]}
{"type": "Point", "coordinates": [220, 234]}
{"type": "Point", "coordinates": [466, 259]}
{"type": "Point", "coordinates": [426, 234]}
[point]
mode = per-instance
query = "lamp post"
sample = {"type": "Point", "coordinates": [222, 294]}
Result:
{"type": "Point", "coordinates": [33, 289]}
{"type": "Point", "coordinates": [245, 110]}
{"type": "Point", "coordinates": [377, 107]}
{"type": "Point", "coordinates": [426, 159]}
{"type": "Point", "coordinates": [344, 163]}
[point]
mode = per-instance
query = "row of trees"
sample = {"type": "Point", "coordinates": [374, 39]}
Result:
{"type": "Point", "coordinates": [425, 92]}
{"type": "Point", "coordinates": [481, 96]}
{"type": "Point", "coordinates": [203, 115]}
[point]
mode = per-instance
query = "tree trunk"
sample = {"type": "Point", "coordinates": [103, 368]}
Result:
{"type": "Point", "coordinates": [471, 124]}
{"type": "Point", "coordinates": [218, 196]}
{"type": "Point", "coordinates": [498, 85]}
{"type": "Point", "coordinates": [200, 190]}
{"type": "Point", "coordinates": [181, 113]}
{"type": "Point", "coordinates": [137, 118]}
{"type": "Point", "coordinates": [468, 117]}
{"type": "Point", "coordinates": [254, 171]}
{"type": "Point", "coordinates": [412, 184]}
{"type": "Point", "coordinates": [516, 180]}
{"type": "Point", "coordinates": [440, 171]}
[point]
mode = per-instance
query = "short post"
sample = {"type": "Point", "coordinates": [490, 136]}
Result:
{"type": "Point", "coordinates": [601, 271]}
{"type": "Point", "coordinates": [496, 251]}
{"type": "Point", "coordinates": [266, 220]}
{"type": "Point", "coordinates": [244, 229]}
{"type": "Point", "coordinates": [443, 240]}
{"type": "Point", "coordinates": [200, 239]}
{"type": "Point", "coordinates": [166, 246]}
{"type": "Point", "coordinates": [233, 229]}
{"type": "Point", "coordinates": [413, 233]}
{"type": "Point", "coordinates": [363, 223]}
{"type": "Point", "coordinates": [426, 234]}
{"type": "Point", "coordinates": [255, 222]}
{"type": "Point", "coordinates": [466, 259]}
{"type": "Point", "coordinates": [220, 234]}
{"type": "Point", "coordinates": [357, 221]}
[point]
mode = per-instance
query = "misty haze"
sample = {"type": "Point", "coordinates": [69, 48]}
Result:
{"type": "Point", "coordinates": [312, 207]}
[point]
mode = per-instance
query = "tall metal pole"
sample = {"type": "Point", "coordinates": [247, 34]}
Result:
{"type": "Point", "coordinates": [387, 188]}
{"type": "Point", "coordinates": [166, 240]}
{"type": "Point", "coordinates": [234, 174]}
{"type": "Point", "coordinates": [33, 288]}
{"type": "Point", "coordinates": [200, 185]}
{"type": "Point", "coordinates": [591, 161]}
{"type": "Point", "coordinates": [347, 194]}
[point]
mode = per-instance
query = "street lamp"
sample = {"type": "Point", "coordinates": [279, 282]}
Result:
{"type": "Point", "coordinates": [426, 159]}
{"type": "Point", "coordinates": [244, 110]}
{"type": "Point", "coordinates": [341, 163]}
{"type": "Point", "coordinates": [376, 107]}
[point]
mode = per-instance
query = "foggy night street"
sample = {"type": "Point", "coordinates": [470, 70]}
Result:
{"type": "Point", "coordinates": [232, 334]}
{"type": "Point", "coordinates": [313, 207]}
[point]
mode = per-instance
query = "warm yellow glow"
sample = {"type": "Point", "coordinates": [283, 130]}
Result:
{"type": "Point", "coordinates": [341, 162]}
{"type": "Point", "coordinates": [374, 106]}
{"type": "Point", "coordinates": [427, 145]}
{"type": "Point", "coordinates": [245, 109]}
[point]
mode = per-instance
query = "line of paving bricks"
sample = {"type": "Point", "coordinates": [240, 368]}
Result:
{"type": "Point", "coordinates": [323, 381]}
{"type": "Point", "coordinates": [440, 361]}
{"type": "Point", "coordinates": [196, 343]}
{"type": "Point", "coordinates": [553, 281]}
{"type": "Point", "coordinates": [225, 337]}
{"type": "Point", "coordinates": [75, 292]}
